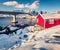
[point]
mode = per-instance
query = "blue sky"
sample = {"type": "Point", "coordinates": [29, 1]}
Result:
{"type": "Point", "coordinates": [50, 5]}
{"type": "Point", "coordinates": [24, 2]}
{"type": "Point", "coordinates": [44, 5]}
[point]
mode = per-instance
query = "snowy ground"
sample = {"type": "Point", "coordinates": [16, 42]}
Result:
{"type": "Point", "coordinates": [24, 39]}
{"type": "Point", "coordinates": [44, 41]}
{"type": "Point", "coordinates": [38, 45]}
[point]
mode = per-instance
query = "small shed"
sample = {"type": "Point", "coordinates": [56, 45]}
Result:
{"type": "Point", "coordinates": [48, 20]}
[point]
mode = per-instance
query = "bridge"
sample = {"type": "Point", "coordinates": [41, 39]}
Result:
{"type": "Point", "coordinates": [13, 13]}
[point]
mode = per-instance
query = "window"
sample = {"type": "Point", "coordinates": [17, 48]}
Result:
{"type": "Point", "coordinates": [51, 21]}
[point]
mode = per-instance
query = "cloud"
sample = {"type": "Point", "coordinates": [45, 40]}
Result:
{"type": "Point", "coordinates": [20, 6]}
{"type": "Point", "coordinates": [34, 5]}
{"type": "Point", "coordinates": [14, 4]}
{"type": "Point", "coordinates": [10, 3]}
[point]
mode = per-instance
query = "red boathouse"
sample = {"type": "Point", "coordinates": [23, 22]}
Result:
{"type": "Point", "coordinates": [48, 20]}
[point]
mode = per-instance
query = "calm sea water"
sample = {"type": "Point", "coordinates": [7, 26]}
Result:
{"type": "Point", "coordinates": [4, 21]}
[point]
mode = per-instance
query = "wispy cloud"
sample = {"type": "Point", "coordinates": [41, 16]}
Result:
{"type": "Point", "coordinates": [20, 6]}
{"type": "Point", "coordinates": [34, 5]}
{"type": "Point", "coordinates": [10, 3]}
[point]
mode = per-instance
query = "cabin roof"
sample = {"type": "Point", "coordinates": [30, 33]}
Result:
{"type": "Point", "coordinates": [51, 16]}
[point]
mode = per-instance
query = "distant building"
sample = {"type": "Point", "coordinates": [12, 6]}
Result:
{"type": "Point", "coordinates": [48, 20]}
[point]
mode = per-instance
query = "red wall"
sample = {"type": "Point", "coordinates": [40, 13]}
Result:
{"type": "Point", "coordinates": [56, 22]}
{"type": "Point", "coordinates": [40, 21]}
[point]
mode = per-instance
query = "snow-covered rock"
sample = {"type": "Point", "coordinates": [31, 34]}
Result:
{"type": "Point", "coordinates": [9, 41]}
{"type": "Point", "coordinates": [19, 31]}
{"type": "Point", "coordinates": [25, 30]}
{"type": "Point", "coordinates": [3, 31]}
{"type": "Point", "coordinates": [12, 28]}
{"type": "Point", "coordinates": [22, 33]}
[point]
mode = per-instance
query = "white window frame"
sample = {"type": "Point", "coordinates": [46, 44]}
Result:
{"type": "Point", "coordinates": [51, 21]}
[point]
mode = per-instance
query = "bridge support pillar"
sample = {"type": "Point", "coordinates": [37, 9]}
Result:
{"type": "Point", "coordinates": [14, 20]}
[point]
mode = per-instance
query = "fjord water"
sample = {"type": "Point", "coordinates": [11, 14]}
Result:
{"type": "Point", "coordinates": [4, 21]}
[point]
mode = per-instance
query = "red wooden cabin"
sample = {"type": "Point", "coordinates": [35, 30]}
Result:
{"type": "Point", "coordinates": [48, 20]}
